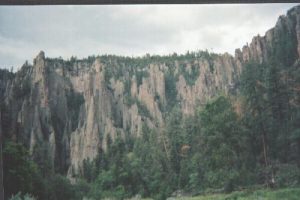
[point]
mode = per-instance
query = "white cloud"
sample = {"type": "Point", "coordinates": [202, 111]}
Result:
{"type": "Point", "coordinates": [129, 30]}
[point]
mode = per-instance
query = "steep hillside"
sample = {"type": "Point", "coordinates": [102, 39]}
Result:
{"type": "Point", "coordinates": [71, 108]}
{"type": "Point", "coordinates": [69, 111]}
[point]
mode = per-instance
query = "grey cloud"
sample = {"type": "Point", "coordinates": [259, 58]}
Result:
{"type": "Point", "coordinates": [129, 30]}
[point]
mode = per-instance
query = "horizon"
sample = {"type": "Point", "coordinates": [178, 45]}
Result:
{"type": "Point", "coordinates": [130, 31]}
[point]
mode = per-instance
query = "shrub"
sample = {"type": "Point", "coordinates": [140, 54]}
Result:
{"type": "Point", "coordinates": [18, 196]}
{"type": "Point", "coordinates": [61, 188]}
{"type": "Point", "coordinates": [140, 75]}
{"type": "Point", "coordinates": [287, 175]}
{"type": "Point", "coordinates": [171, 91]}
{"type": "Point", "coordinates": [19, 171]}
{"type": "Point", "coordinates": [142, 109]}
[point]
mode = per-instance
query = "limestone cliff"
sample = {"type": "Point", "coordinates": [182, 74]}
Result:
{"type": "Point", "coordinates": [67, 111]}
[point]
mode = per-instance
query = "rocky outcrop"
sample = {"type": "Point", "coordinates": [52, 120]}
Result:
{"type": "Point", "coordinates": [67, 111]}
{"type": "Point", "coordinates": [262, 48]}
{"type": "Point", "coordinates": [218, 75]}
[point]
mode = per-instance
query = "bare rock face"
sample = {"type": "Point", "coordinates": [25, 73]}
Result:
{"type": "Point", "coordinates": [215, 76]}
{"type": "Point", "coordinates": [287, 30]}
{"type": "Point", "coordinates": [66, 111]}
{"type": "Point", "coordinates": [151, 88]}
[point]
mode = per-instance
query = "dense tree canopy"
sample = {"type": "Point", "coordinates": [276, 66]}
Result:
{"type": "Point", "coordinates": [218, 148]}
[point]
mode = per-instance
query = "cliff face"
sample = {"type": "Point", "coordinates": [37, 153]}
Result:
{"type": "Point", "coordinates": [67, 111]}
{"type": "Point", "coordinates": [286, 30]}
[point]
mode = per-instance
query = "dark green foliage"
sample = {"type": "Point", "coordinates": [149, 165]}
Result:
{"type": "Point", "coordinates": [223, 143]}
{"type": "Point", "coordinates": [214, 149]}
{"type": "Point", "coordinates": [22, 88]}
{"type": "Point", "coordinates": [42, 158]}
{"type": "Point", "coordinates": [151, 166]}
{"type": "Point", "coordinates": [190, 77]}
{"type": "Point", "coordinates": [176, 138]}
{"type": "Point", "coordinates": [140, 75]}
{"type": "Point", "coordinates": [19, 196]}
{"type": "Point", "coordinates": [287, 175]}
{"type": "Point", "coordinates": [90, 170]}
{"type": "Point", "coordinates": [195, 72]}
{"type": "Point", "coordinates": [129, 100]}
{"type": "Point", "coordinates": [170, 88]}
{"type": "Point", "coordinates": [269, 91]}
{"type": "Point", "coordinates": [142, 109]}
{"type": "Point", "coordinates": [284, 51]}
{"type": "Point", "coordinates": [108, 74]}
{"type": "Point", "coordinates": [73, 59]}
{"type": "Point", "coordinates": [74, 102]}
{"type": "Point", "coordinates": [80, 189]}
{"type": "Point", "coordinates": [61, 188]}
{"type": "Point", "coordinates": [139, 63]}
{"type": "Point", "coordinates": [19, 171]}
{"type": "Point", "coordinates": [6, 75]}
{"type": "Point", "coordinates": [126, 170]}
{"type": "Point", "coordinates": [217, 149]}
{"type": "Point", "coordinates": [23, 175]}
{"type": "Point", "coordinates": [209, 57]}
{"type": "Point", "coordinates": [114, 178]}
{"type": "Point", "coordinates": [159, 102]}
{"type": "Point", "coordinates": [253, 90]}
{"type": "Point", "coordinates": [127, 87]}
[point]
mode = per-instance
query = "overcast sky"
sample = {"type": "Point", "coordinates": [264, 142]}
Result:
{"type": "Point", "coordinates": [129, 30]}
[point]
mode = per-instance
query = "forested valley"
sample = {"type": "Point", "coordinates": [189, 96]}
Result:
{"type": "Point", "coordinates": [243, 137]}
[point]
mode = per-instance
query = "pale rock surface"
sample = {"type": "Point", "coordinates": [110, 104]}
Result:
{"type": "Point", "coordinates": [42, 118]}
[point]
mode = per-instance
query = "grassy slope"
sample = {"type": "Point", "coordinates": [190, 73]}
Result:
{"type": "Point", "coordinates": [282, 194]}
